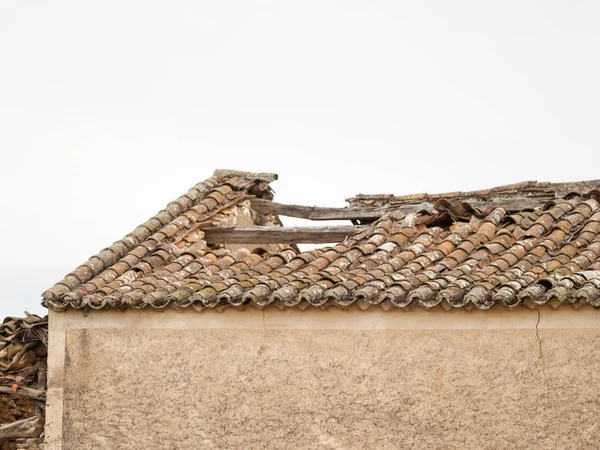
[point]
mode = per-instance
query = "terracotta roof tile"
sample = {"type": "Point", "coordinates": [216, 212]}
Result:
{"type": "Point", "coordinates": [527, 242]}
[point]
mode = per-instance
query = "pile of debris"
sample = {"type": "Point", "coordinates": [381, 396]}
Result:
{"type": "Point", "coordinates": [23, 369]}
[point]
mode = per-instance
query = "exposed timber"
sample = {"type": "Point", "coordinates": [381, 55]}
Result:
{"type": "Point", "coordinates": [316, 212]}
{"type": "Point", "coordinates": [26, 428]}
{"type": "Point", "coordinates": [528, 194]}
{"type": "Point", "coordinates": [279, 235]}
{"type": "Point", "coordinates": [23, 391]}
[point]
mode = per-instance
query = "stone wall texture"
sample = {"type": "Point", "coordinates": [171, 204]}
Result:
{"type": "Point", "coordinates": [331, 388]}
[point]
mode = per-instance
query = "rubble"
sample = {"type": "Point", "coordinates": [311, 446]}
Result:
{"type": "Point", "coordinates": [23, 370]}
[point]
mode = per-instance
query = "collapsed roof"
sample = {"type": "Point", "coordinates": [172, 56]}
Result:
{"type": "Point", "coordinates": [222, 243]}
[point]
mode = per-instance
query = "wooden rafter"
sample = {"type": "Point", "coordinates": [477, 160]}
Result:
{"type": "Point", "coordinates": [279, 235]}
{"type": "Point", "coordinates": [316, 212]}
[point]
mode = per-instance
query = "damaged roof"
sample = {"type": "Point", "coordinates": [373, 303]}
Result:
{"type": "Point", "coordinates": [527, 243]}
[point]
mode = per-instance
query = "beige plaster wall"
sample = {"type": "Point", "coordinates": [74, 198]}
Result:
{"type": "Point", "coordinates": [325, 379]}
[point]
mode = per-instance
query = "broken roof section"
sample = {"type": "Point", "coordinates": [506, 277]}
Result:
{"type": "Point", "coordinates": [222, 244]}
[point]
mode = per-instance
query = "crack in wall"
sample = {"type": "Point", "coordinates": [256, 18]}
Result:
{"type": "Point", "coordinates": [541, 357]}
{"type": "Point", "coordinates": [537, 333]}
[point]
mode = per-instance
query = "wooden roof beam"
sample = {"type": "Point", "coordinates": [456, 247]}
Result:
{"type": "Point", "coordinates": [316, 212]}
{"type": "Point", "coordinates": [279, 235]}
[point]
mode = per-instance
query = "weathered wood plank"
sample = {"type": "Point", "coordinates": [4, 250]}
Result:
{"type": "Point", "coordinates": [24, 392]}
{"type": "Point", "coordinates": [316, 212]}
{"type": "Point", "coordinates": [26, 428]}
{"type": "Point", "coordinates": [527, 193]}
{"type": "Point", "coordinates": [279, 235]}
{"type": "Point", "coordinates": [509, 204]}
{"type": "Point", "coordinates": [373, 213]}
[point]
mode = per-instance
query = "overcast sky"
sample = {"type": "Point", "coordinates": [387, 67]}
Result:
{"type": "Point", "coordinates": [110, 109]}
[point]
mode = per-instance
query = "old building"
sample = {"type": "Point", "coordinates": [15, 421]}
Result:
{"type": "Point", "coordinates": [459, 320]}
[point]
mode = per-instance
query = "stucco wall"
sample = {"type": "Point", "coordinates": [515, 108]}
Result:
{"type": "Point", "coordinates": [325, 379]}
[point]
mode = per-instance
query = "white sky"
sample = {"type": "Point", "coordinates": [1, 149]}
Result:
{"type": "Point", "coordinates": [110, 109]}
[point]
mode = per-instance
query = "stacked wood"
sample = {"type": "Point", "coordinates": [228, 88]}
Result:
{"type": "Point", "coordinates": [23, 370]}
